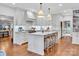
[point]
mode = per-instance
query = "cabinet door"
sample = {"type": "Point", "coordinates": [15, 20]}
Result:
{"type": "Point", "coordinates": [75, 38]}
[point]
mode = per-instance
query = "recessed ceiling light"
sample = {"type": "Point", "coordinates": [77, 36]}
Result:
{"type": "Point", "coordinates": [64, 11]}
{"type": "Point", "coordinates": [13, 3]}
{"type": "Point", "coordinates": [60, 5]}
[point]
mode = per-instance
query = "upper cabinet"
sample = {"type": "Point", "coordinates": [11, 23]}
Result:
{"type": "Point", "coordinates": [31, 16]}
{"type": "Point", "coordinates": [76, 20]}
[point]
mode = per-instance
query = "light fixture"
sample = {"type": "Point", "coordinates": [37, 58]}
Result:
{"type": "Point", "coordinates": [64, 11]}
{"type": "Point", "coordinates": [49, 14]}
{"type": "Point", "coordinates": [60, 5]}
{"type": "Point", "coordinates": [13, 3]}
{"type": "Point", "coordinates": [40, 12]}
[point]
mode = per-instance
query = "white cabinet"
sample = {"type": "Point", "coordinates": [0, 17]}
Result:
{"type": "Point", "coordinates": [75, 38]}
{"type": "Point", "coordinates": [31, 14]}
{"type": "Point", "coordinates": [20, 38]}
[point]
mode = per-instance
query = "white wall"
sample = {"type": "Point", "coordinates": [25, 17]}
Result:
{"type": "Point", "coordinates": [56, 24]}
{"type": "Point", "coordinates": [42, 21]}
{"type": "Point", "coordinates": [4, 10]}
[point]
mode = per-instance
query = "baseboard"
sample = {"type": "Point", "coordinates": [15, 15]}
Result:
{"type": "Point", "coordinates": [34, 53]}
{"type": "Point", "coordinates": [75, 43]}
{"type": "Point", "coordinates": [24, 43]}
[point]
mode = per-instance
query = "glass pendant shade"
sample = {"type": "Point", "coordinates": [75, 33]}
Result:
{"type": "Point", "coordinates": [40, 12]}
{"type": "Point", "coordinates": [49, 14]}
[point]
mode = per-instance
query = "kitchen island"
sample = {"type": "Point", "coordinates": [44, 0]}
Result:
{"type": "Point", "coordinates": [39, 41]}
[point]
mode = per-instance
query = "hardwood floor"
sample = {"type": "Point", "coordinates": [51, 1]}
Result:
{"type": "Point", "coordinates": [14, 50]}
{"type": "Point", "coordinates": [64, 47]}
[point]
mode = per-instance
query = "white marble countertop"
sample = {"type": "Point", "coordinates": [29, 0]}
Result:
{"type": "Point", "coordinates": [43, 33]}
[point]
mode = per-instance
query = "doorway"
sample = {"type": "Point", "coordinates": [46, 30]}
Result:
{"type": "Point", "coordinates": [6, 31]}
{"type": "Point", "coordinates": [65, 28]}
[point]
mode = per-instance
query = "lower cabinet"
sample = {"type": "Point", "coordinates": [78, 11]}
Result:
{"type": "Point", "coordinates": [75, 38]}
{"type": "Point", "coordinates": [20, 38]}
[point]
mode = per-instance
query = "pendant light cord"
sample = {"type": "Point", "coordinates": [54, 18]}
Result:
{"type": "Point", "coordinates": [40, 6]}
{"type": "Point", "coordinates": [49, 10]}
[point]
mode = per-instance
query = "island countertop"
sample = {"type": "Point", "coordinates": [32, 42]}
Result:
{"type": "Point", "coordinates": [43, 33]}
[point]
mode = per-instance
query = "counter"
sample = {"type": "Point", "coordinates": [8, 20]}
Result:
{"type": "Point", "coordinates": [42, 33]}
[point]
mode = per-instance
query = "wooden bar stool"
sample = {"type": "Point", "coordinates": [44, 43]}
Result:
{"type": "Point", "coordinates": [53, 43]}
{"type": "Point", "coordinates": [1, 34]}
{"type": "Point", "coordinates": [6, 34]}
{"type": "Point", "coordinates": [47, 44]}
{"type": "Point", "coordinates": [50, 40]}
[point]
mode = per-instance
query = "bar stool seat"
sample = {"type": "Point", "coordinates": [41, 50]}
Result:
{"type": "Point", "coordinates": [47, 43]}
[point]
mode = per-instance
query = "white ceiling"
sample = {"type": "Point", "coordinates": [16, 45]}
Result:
{"type": "Point", "coordinates": [53, 6]}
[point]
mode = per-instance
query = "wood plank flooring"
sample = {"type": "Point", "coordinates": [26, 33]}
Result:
{"type": "Point", "coordinates": [64, 47]}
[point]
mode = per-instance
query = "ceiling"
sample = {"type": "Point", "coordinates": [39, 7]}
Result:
{"type": "Point", "coordinates": [55, 7]}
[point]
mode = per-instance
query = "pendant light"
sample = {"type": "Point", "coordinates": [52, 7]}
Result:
{"type": "Point", "coordinates": [49, 14]}
{"type": "Point", "coordinates": [40, 12]}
